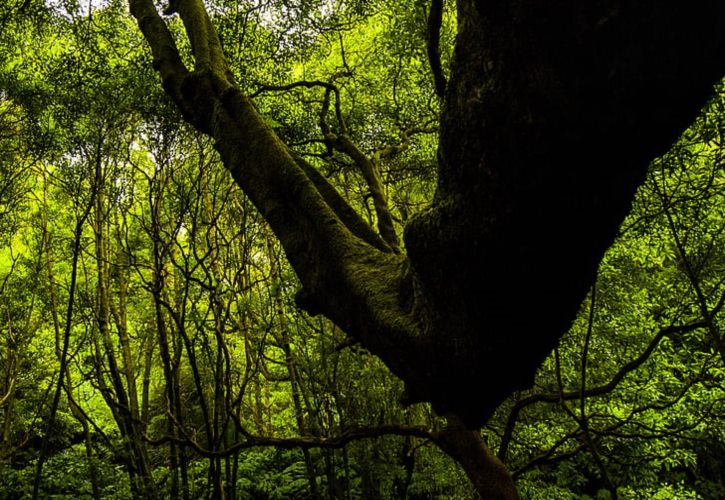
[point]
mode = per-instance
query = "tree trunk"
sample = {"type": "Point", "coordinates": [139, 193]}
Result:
{"type": "Point", "coordinates": [77, 413]}
{"type": "Point", "coordinates": [177, 463]}
{"type": "Point", "coordinates": [488, 475]}
{"type": "Point", "coordinates": [552, 113]}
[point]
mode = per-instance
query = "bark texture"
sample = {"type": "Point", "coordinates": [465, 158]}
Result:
{"type": "Point", "coordinates": [489, 476]}
{"type": "Point", "coordinates": [553, 111]}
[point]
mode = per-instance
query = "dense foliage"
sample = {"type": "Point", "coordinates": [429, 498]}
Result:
{"type": "Point", "coordinates": [149, 341]}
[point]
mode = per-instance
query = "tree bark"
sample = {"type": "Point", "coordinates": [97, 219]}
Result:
{"type": "Point", "coordinates": [487, 473]}
{"type": "Point", "coordinates": [552, 113]}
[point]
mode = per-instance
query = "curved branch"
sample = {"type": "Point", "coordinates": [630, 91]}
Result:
{"type": "Point", "coordinates": [304, 442]}
{"type": "Point", "coordinates": [208, 53]}
{"type": "Point", "coordinates": [371, 173]}
{"type": "Point", "coordinates": [595, 391]}
{"type": "Point", "coordinates": [166, 59]}
{"type": "Point", "coordinates": [309, 84]}
{"type": "Point", "coordinates": [344, 273]}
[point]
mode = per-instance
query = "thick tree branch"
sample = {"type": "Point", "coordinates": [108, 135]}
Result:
{"type": "Point", "coordinates": [332, 197]}
{"type": "Point", "coordinates": [368, 166]}
{"type": "Point", "coordinates": [347, 214]}
{"type": "Point", "coordinates": [208, 53]}
{"type": "Point", "coordinates": [371, 173]}
{"type": "Point", "coordinates": [166, 59]}
{"type": "Point", "coordinates": [344, 273]}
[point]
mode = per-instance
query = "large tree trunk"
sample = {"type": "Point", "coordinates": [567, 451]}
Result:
{"type": "Point", "coordinates": [552, 113]}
